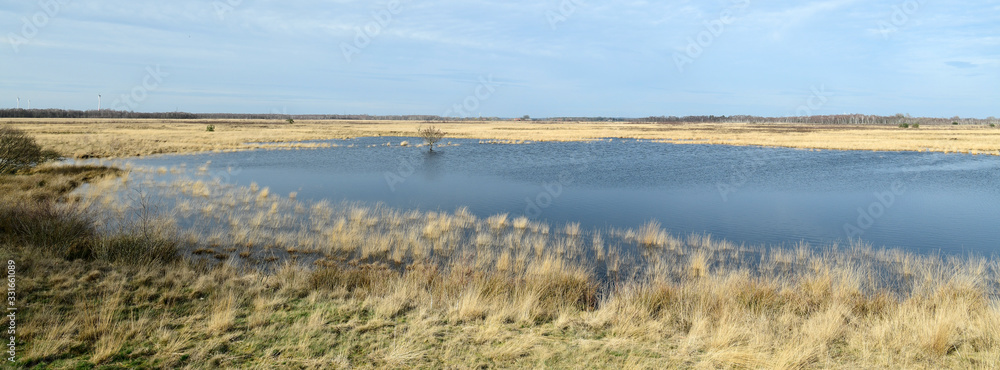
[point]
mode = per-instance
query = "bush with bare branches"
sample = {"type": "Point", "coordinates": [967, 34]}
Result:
{"type": "Point", "coordinates": [431, 136]}
{"type": "Point", "coordinates": [19, 151]}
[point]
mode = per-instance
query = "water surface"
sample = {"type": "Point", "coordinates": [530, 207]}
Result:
{"type": "Point", "coordinates": [776, 196]}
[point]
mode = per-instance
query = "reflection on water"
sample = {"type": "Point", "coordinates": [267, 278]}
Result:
{"type": "Point", "coordinates": [920, 201]}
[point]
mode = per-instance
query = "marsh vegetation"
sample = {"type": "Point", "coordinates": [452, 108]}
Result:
{"type": "Point", "coordinates": [129, 270]}
{"type": "Point", "coordinates": [262, 279]}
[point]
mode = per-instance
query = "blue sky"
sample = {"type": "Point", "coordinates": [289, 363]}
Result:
{"type": "Point", "coordinates": [505, 58]}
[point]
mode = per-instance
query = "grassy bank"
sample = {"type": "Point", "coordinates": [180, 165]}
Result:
{"type": "Point", "coordinates": [86, 138]}
{"type": "Point", "coordinates": [240, 277]}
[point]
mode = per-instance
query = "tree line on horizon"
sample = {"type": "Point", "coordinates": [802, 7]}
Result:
{"type": "Point", "coordinates": [839, 119]}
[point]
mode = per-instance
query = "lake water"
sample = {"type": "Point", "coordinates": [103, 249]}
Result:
{"type": "Point", "coordinates": [775, 196]}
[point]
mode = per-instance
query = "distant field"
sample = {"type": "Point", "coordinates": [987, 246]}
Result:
{"type": "Point", "coordinates": [88, 138]}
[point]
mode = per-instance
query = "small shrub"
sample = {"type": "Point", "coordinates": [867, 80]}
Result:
{"type": "Point", "coordinates": [290, 121]}
{"type": "Point", "coordinates": [904, 125]}
{"type": "Point", "coordinates": [955, 123]}
{"type": "Point", "coordinates": [135, 250]}
{"type": "Point", "coordinates": [64, 233]}
{"type": "Point", "coordinates": [916, 125]}
{"type": "Point", "coordinates": [210, 128]}
{"type": "Point", "coordinates": [431, 136]}
{"type": "Point", "coordinates": [19, 151]}
{"type": "Point", "coordinates": [993, 125]}
{"type": "Point", "coordinates": [363, 278]}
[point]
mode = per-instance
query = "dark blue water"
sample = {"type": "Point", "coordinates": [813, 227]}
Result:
{"type": "Point", "coordinates": [918, 201]}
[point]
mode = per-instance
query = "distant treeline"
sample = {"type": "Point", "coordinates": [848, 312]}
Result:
{"type": "Point", "coordinates": [357, 117]}
{"type": "Point", "coordinates": [840, 119]}
{"type": "Point", "coordinates": [106, 113]}
{"type": "Point", "coordinates": [63, 113]}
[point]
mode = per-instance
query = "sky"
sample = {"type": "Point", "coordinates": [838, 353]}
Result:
{"type": "Point", "coordinates": [471, 58]}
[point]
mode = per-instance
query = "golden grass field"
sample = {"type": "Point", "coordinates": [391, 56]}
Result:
{"type": "Point", "coordinates": [138, 271]}
{"type": "Point", "coordinates": [78, 138]}
{"type": "Point", "coordinates": [262, 280]}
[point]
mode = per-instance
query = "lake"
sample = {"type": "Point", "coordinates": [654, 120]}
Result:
{"type": "Point", "coordinates": [922, 202]}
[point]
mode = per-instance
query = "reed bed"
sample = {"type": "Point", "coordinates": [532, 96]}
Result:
{"type": "Point", "coordinates": [269, 281]}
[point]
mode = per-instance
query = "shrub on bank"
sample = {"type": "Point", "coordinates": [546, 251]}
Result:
{"type": "Point", "coordinates": [31, 218]}
{"type": "Point", "coordinates": [18, 151]}
{"type": "Point", "coordinates": [134, 250]}
{"type": "Point", "coordinates": [41, 225]}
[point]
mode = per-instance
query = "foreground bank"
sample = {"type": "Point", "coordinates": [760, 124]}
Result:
{"type": "Point", "coordinates": [120, 280]}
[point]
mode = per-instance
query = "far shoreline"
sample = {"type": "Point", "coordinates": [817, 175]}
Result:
{"type": "Point", "coordinates": [121, 138]}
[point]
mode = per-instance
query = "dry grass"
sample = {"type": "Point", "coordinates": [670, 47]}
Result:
{"type": "Point", "coordinates": [50, 182]}
{"type": "Point", "coordinates": [121, 138]}
{"type": "Point", "coordinates": [431, 316]}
